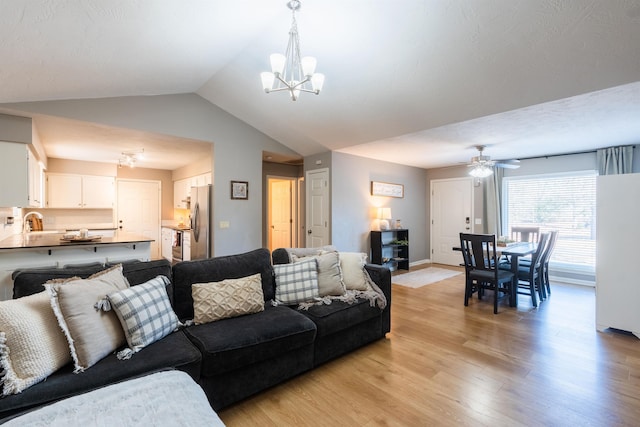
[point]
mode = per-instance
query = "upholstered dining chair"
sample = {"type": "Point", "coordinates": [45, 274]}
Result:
{"type": "Point", "coordinates": [529, 276]}
{"type": "Point", "coordinates": [481, 268]}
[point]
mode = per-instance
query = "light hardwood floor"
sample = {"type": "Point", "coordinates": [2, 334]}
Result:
{"type": "Point", "coordinates": [446, 364]}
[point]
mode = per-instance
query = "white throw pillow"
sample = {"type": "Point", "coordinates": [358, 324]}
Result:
{"type": "Point", "coordinates": [329, 273]}
{"type": "Point", "coordinates": [297, 282]}
{"type": "Point", "coordinates": [92, 334]}
{"type": "Point", "coordinates": [353, 275]}
{"type": "Point", "coordinates": [32, 346]}
{"type": "Point", "coordinates": [228, 298]}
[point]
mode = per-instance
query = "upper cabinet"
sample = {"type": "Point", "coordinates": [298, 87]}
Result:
{"type": "Point", "coordinates": [182, 189]}
{"type": "Point", "coordinates": [80, 191]}
{"type": "Point", "coordinates": [15, 176]}
{"type": "Point", "coordinates": [35, 181]}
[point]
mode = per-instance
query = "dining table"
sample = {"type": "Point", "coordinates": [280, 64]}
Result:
{"type": "Point", "coordinates": [515, 251]}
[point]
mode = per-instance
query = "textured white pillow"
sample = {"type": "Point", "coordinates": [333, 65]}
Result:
{"type": "Point", "coordinates": [227, 298]}
{"type": "Point", "coordinates": [297, 282]}
{"type": "Point", "coordinates": [329, 273]}
{"type": "Point", "coordinates": [353, 275]}
{"type": "Point", "coordinates": [145, 314]}
{"type": "Point", "coordinates": [32, 346]}
{"type": "Point", "coordinates": [92, 334]}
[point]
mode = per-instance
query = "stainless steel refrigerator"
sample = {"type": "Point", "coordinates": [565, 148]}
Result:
{"type": "Point", "coordinates": [200, 227]}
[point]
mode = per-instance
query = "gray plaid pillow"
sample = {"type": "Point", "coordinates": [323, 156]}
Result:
{"type": "Point", "coordinates": [298, 282]}
{"type": "Point", "coordinates": [145, 314]}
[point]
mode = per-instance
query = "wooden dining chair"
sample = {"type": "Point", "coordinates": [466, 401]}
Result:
{"type": "Point", "coordinates": [525, 233]}
{"type": "Point", "coordinates": [481, 268]}
{"type": "Point", "coordinates": [529, 277]}
{"type": "Point", "coordinates": [544, 262]}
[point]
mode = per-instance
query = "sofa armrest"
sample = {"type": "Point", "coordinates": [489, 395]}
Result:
{"type": "Point", "coordinates": [381, 276]}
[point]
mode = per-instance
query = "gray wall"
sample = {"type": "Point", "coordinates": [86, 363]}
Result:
{"type": "Point", "coordinates": [537, 166]}
{"type": "Point", "coordinates": [237, 153]}
{"type": "Point", "coordinates": [353, 207]}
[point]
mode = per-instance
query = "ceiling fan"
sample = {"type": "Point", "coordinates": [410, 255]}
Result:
{"type": "Point", "coordinates": [481, 165]}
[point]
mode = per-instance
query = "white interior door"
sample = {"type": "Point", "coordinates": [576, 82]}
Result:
{"type": "Point", "coordinates": [451, 214]}
{"type": "Point", "coordinates": [280, 213]}
{"type": "Point", "coordinates": [317, 207]}
{"type": "Point", "coordinates": [138, 210]}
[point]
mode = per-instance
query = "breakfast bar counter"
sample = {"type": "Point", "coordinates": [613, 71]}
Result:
{"type": "Point", "coordinates": [56, 240]}
{"type": "Point", "coordinates": [46, 249]}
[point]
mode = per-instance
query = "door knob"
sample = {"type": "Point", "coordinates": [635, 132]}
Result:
{"type": "Point", "coordinates": [308, 231]}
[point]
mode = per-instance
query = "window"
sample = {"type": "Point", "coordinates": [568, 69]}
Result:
{"type": "Point", "coordinates": [563, 202]}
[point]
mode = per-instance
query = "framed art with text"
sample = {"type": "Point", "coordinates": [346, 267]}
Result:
{"type": "Point", "coordinates": [386, 189]}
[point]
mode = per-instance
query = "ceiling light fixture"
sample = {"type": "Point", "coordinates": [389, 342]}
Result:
{"type": "Point", "coordinates": [130, 158]}
{"type": "Point", "coordinates": [289, 72]}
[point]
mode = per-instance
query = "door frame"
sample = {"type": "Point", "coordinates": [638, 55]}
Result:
{"type": "Point", "coordinates": [326, 207]}
{"type": "Point", "coordinates": [159, 222]}
{"type": "Point", "coordinates": [432, 237]}
{"type": "Point", "coordinates": [293, 207]}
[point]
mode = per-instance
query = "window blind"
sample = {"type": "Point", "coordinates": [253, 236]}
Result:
{"type": "Point", "coordinates": [563, 202]}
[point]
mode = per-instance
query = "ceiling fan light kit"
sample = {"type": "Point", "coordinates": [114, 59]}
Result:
{"type": "Point", "coordinates": [482, 166]}
{"type": "Point", "coordinates": [290, 72]}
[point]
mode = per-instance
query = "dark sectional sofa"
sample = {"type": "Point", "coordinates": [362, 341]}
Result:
{"type": "Point", "coordinates": [232, 358]}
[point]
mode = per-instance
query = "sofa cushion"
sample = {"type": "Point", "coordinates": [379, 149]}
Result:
{"type": "Point", "coordinates": [145, 314]}
{"type": "Point", "coordinates": [186, 273]}
{"type": "Point", "coordinates": [92, 334]}
{"type": "Point", "coordinates": [340, 315]}
{"type": "Point", "coordinates": [173, 351]}
{"type": "Point", "coordinates": [32, 346]}
{"type": "Point", "coordinates": [229, 298]}
{"type": "Point", "coordinates": [31, 280]}
{"type": "Point", "coordinates": [230, 344]}
{"type": "Point", "coordinates": [297, 282]}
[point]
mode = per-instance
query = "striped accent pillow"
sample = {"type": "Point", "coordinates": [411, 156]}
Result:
{"type": "Point", "coordinates": [145, 314]}
{"type": "Point", "coordinates": [297, 282]}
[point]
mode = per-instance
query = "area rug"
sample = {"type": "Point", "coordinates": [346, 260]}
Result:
{"type": "Point", "coordinates": [422, 277]}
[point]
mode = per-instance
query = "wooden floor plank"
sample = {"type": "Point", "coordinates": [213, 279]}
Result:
{"type": "Point", "coordinates": [445, 364]}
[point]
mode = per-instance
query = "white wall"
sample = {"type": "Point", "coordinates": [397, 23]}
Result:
{"type": "Point", "coordinates": [237, 150]}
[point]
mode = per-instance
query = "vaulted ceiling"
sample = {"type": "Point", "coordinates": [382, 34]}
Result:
{"type": "Point", "coordinates": [417, 82]}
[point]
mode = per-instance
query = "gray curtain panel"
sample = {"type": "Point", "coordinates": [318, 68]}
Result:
{"type": "Point", "coordinates": [615, 160]}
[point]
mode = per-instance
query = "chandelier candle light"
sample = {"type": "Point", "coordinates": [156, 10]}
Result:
{"type": "Point", "coordinates": [289, 72]}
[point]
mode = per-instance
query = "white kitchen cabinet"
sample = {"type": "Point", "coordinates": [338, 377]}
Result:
{"type": "Point", "coordinates": [181, 190]}
{"type": "Point", "coordinates": [186, 246]}
{"type": "Point", "coordinates": [166, 236]}
{"type": "Point", "coordinates": [15, 174]}
{"type": "Point", "coordinates": [80, 191]}
{"type": "Point", "coordinates": [35, 181]}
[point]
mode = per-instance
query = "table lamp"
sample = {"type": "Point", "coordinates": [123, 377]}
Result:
{"type": "Point", "coordinates": [384, 215]}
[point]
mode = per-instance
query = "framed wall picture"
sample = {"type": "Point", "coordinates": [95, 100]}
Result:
{"type": "Point", "coordinates": [239, 190]}
{"type": "Point", "coordinates": [387, 189]}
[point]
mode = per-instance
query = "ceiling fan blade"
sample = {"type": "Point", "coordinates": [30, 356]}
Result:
{"type": "Point", "coordinates": [508, 164]}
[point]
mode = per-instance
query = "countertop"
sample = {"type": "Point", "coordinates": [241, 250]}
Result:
{"type": "Point", "coordinates": [178, 227]}
{"type": "Point", "coordinates": [53, 240]}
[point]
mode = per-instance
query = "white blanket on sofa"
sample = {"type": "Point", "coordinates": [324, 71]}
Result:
{"type": "Point", "coordinates": [169, 398]}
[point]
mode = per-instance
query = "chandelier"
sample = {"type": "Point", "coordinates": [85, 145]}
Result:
{"type": "Point", "coordinates": [288, 71]}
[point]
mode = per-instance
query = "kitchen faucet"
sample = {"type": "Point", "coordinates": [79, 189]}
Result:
{"type": "Point", "coordinates": [25, 225]}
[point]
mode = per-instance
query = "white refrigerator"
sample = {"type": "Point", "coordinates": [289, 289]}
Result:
{"type": "Point", "coordinates": [200, 233]}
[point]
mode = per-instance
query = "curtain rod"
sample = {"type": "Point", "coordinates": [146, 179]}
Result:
{"type": "Point", "coordinates": [569, 154]}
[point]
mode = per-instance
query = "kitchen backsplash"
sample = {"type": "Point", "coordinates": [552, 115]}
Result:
{"type": "Point", "coordinates": [7, 230]}
{"type": "Point", "coordinates": [73, 219]}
